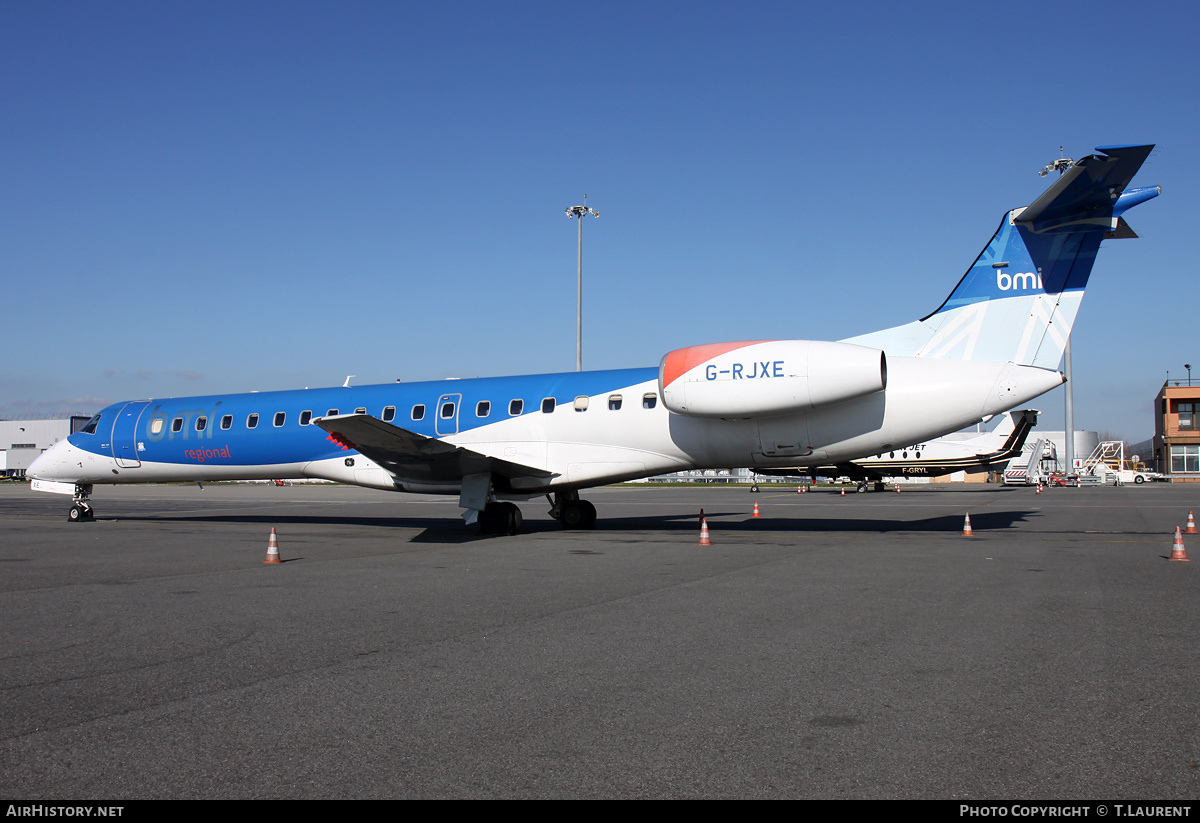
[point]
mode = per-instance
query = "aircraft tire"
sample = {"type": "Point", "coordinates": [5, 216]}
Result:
{"type": "Point", "coordinates": [578, 514]}
{"type": "Point", "coordinates": [500, 518]}
{"type": "Point", "coordinates": [514, 518]}
{"type": "Point", "coordinates": [572, 515]}
{"type": "Point", "coordinates": [493, 519]}
{"type": "Point", "coordinates": [77, 514]}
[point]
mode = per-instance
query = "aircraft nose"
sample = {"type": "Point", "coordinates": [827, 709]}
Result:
{"type": "Point", "coordinates": [48, 464]}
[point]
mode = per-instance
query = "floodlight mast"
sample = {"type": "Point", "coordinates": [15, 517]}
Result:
{"type": "Point", "coordinates": [572, 213]}
{"type": "Point", "coordinates": [1061, 165]}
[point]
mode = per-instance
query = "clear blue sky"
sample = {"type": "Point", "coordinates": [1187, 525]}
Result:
{"type": "Point", "coordinates": [205, 197]}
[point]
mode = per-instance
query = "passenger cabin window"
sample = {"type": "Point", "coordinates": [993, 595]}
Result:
{"type": "Point", "coordinates": [227, 422]}
{"type": "Point", "coordinates": [515, 407]}
{"type": "Point", "coordinates": [361, 410]}
{"type": "Point", "coordinates": [177, 424]}
{"type": "Point", "coordinates": [418, 412]}
{"type": "Point", "coordinates": [389, 414]}
{"type": "Point", "coordinates": [483, 408]}
{"type": "Point", "coordinates": [280, 418]}
{"type": "Point", "coordinates": [252, 420]}
{"type": "Point", "coordinates": [155, 426]}
{"type": "Point", "coordinates": [331, 412]}
{"type": "Point", "coordinates": [305, 418]}
{"type": "Point", "coordinates": [614, 402]}
{"type": "Point", "coordinates": [201, 423]}
{"type": "Point", "coordinates": [548, 405]}
{"type": "Point", "coordinates": [581, 403]}
{"type": "Point", "coordinates": [447, 411]}
{"type": "Point", "coordinates": [649, 400]}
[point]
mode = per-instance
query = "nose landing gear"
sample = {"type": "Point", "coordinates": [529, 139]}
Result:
{"type": "Point", "coordinates": [81, 508]}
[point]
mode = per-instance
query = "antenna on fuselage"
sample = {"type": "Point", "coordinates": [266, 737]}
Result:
{"type": "Point", "coordinates": [346, 385]}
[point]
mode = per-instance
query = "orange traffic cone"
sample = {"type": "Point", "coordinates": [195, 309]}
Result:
{"type": "Point", "coordinates": [897, 488]}
{"type": "Point", "coordinates": [1177, 552]}
{"type": "Point", "coordinates": [273, 549]}
{"type": "Point", "coordinates": [756, 514]}
{"type": "Point", "coordinates": [1039, 489]}
{"type": "Point", "coordinates": [1191, 525]}
{"type": "Point", "coordinates": [843, 492]}
{"type": "Point", "coordinates": [704, 541]}
{"type": "Point", "coordinates": [967, 527]}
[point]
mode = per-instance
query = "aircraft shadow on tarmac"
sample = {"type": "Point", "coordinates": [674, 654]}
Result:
{"type": "Point", "coordinates": [447, 530]}
{"type": "Point", "coordinates": [983, 521]}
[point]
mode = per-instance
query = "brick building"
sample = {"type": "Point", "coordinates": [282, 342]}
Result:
{"type": "Point", "coordinates": [1177, 430]}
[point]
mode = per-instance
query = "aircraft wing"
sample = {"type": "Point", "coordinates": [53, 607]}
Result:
{"type": "Point", "coordinates": [415, 457]}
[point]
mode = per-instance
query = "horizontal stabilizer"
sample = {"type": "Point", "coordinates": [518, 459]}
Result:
{"type": "Point", "coordinates": [416, 458]}
{"type": "Point", "coordinates": [1086, 194]}
{"type": "Point", "coordinates": [1025, 420]}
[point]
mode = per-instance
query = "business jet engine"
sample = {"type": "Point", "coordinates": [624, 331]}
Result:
{"type": "Point", "coordinates": [767, 377]}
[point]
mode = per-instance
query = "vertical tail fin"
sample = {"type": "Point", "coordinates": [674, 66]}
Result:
{"type": "Point", "coordinates": [1019, 299]}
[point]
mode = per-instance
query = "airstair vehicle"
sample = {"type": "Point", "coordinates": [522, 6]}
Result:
{"type": "Point", "coordinates": [1107, 466]}
{"type": "Point", "coordinates": [1042, 462]}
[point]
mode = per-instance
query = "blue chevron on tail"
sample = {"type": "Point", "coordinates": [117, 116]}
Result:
{"type": "Point", "coordinates": [1018, 301]}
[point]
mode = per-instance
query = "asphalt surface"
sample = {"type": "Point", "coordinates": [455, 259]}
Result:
{"type": "Point", "coordinates": [836, 647]}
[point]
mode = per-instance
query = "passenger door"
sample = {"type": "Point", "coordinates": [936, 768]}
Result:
{"type": "Point", "coordinates": [125, 448]}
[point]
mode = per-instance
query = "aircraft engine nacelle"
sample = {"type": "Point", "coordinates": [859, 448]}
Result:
{"type": "Point", "coordinates": [767, 377]}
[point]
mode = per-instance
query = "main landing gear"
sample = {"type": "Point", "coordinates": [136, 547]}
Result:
{"type": "Point", "coordinates": [500, 518]}
{"type": "Point", "coordinates": [877, 485]}
{"type": "Point", "coordinates": [81, 508]}
{"type": "Point", "coordinates": [573, 513]}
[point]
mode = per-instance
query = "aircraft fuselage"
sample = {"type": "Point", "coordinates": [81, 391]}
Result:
{"type": "Point", "coordinates": [579, 429]}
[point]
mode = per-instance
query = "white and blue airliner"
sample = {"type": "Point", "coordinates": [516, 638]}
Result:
{"type": "Point", "coordinates": [993, 345]}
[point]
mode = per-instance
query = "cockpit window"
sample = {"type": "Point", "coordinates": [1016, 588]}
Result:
{"type": "Point", "coordinates": [90, 426]}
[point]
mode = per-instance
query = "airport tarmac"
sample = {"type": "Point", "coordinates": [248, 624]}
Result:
{"type": "Point", "coordinates": [835, 647]}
